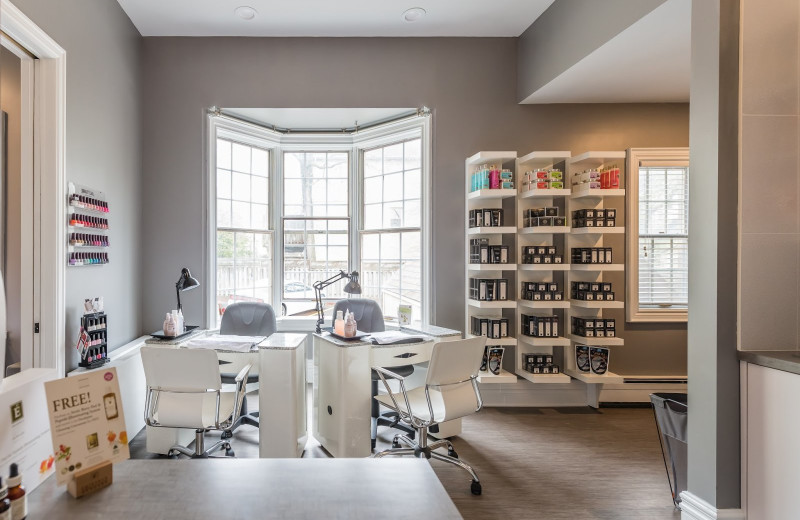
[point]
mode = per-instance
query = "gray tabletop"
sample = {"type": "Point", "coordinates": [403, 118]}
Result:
{"type": "Point", "coordinates": [256, 488]}
{"type": "Point", "coordinates": [786, 360]}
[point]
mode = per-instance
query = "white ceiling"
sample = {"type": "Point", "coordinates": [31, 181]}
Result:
{"type": "Point", "coordinates": [316, 118]}
{"type": "Point", "coordinates": [327, 18]}
{"type": "Point", "coordinates": [649, 62]}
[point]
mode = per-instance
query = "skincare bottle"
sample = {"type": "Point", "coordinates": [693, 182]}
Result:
{"type": "Point", "coordinates": [350, 325]}
{"type": "Point", "coordinates": [338, 325]}
{"type": "Point", "coordinates": [5, 503]}
{"type": "Point", "coordinates": [182, 322]}
{"type": "Point", "coordinates": [169, 328]}
{"type": "Point", "coordinates": [16, 494]}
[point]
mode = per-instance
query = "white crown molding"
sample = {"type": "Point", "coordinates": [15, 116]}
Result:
{"type": "Point", "coordinates": [695, 508]}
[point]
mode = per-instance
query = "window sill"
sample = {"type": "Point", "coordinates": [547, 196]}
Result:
{"type": "Point", "coordinates": [655, 316]}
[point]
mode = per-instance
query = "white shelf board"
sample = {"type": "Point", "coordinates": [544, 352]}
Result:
{"type": "Point", "coordinates": [492, 267]}
{"type": "Point", "coordinates": [544, 378]}
{"type": "Point", "coordinates": [544, 342]}
{"type": "Point", "coordinates": [552, 304]}
{"type": "Point", "coordinates": [489, 157]}
{"type": "Point", "coordinates": [543, 267]}
{"type": "Point", "coordinates": [598, 267]}
{"type": "Point", "coordinates": [508, 304]}
{"type": "Point", "coordinates": [614, 304]}
{"type": "Point", "coordinates": [598, 231]}
{"type": "Point", "coordinates": [503, 377]}
{"type": "Point", "coordinates": [494, 230]}
{"type": "Point", "coordinates": [492, 194]}
{"type": "Point", "coordinates": [597, 342]}
{"type": "Point", "coordinates": [543, 230]}
{"type": "Point", "coordinates": [503, 342]}
{"type": "Point", "coordinates": [594, 159]}
{"type": "Point", "coordinates": [592, 378]}
{"type": "Point", "coordinates": [542, 159]}
{"type": "Point", "coordinates": [533, 194]}
{"type": "Point", "coordinates": [597, 193]}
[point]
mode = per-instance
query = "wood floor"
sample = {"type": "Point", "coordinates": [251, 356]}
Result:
{"type": "Point", "coordinates": [540, 463]}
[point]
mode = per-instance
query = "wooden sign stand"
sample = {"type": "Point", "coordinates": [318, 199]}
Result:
{"type": "Point", "coordinates": [89, 480]}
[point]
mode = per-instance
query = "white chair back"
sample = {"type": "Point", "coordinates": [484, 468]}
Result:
{"type": "Point", "coordinates": [452, 366]}
{"type": "Point", "coordinates": [181, 369]}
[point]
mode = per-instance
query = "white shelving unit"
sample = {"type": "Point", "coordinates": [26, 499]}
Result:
{"type": "Point", "coordinates": [541, 236]}
{"type": "Point", "coordinates": [613, 237]}
{"type": "Point", "coordinates": [564, 238]}
{"type": "Point", "coordinates": [504, 199]}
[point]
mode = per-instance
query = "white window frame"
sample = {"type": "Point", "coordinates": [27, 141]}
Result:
{"type": "Point", "coordinates": [277, 143]}
{"type": "Point", "coordinates": [670, 156]}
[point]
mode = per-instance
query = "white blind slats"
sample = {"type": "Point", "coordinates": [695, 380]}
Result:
{"type": "Point", "coordinates": [663, 234]}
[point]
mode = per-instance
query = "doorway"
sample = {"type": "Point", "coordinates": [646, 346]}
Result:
{"type": "Point", "coordinates": [18, 211]}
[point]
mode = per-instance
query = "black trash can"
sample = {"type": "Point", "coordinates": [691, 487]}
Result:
{"type": "Point", "coordinates": [671, 412]}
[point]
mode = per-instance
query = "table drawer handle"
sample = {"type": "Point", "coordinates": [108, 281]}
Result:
{"type": "Point", "coordinates": [406, 355]}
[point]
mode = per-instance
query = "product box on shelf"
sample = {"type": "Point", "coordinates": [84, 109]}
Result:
{"type": "Point", "coordinates": [482, 289]}
{"type": "Point", "coordinates": [591, 327]}
{"type": "Point", "coordinates": [540, 255]}
{"type": "Point", "coordinates": [592, 291]}
{"type": "Point", "coordinates": [492, 328]}
{"type": "Point", "coordinates": [539, 326]}
{"type": "Point", "coordinates": [591, 255]}
{"type": "Point", "coordinates": [541, 291]}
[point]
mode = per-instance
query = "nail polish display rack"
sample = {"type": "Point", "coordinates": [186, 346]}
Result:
{"type": "Point", "coordinates": [87, 226]}
{"type": "Point", "coordinates": [95, 354]}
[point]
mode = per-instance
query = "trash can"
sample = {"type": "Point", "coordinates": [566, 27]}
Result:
{"type": "Point", "coordinates": [671, 415]}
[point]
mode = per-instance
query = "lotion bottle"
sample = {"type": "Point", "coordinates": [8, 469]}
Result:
{"type": "Point", "coordinates": [5, 503]}
{"type": "Point", "coordinates": [338, 325]}
{"type": "Point", "coordinates": [350, 325]}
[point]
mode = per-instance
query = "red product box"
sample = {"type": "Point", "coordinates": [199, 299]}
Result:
{"type": "Point", "coordinates": [604, 180]}
{"type": "Point", "coordinates": [541, 174]}
{"type": "Point", "coordinates": [613, 180]}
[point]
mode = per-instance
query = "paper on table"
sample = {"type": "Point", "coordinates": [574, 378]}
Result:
{"type": "Point", "coordinates": [395, 336]}
{"type": "Point", "coordinates": [221, 342]}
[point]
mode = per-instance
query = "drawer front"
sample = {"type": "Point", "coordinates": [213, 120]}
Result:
{"type": "Point", "coordinates": [397, 355]}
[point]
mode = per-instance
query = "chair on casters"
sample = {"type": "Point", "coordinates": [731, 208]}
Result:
{"type": "Point", "coordinates": [246, 319]}
{"type": "Point", "coordinates": [184, 390]}
{"type": "Point", "coordinates": [369, 317]}
{"type": "Point", "coordinates": [450, 391]}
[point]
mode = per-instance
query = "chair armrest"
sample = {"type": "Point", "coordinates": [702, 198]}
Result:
{"type": "Point", "coordinates": [383, 374]}
{"type": "Point", "coordinates": [241, 383]}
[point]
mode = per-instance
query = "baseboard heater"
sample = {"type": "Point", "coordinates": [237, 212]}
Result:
{"type": "Point", "coordinates": [656, 380]}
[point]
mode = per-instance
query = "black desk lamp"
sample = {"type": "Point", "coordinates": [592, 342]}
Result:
{"type": "Point", "coordinates": [185, 283]}
{"type": "Point", "coordinates": [352, 287]}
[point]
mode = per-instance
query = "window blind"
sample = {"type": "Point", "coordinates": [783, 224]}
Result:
{"type": "Point", "coordinates": [663, 236]}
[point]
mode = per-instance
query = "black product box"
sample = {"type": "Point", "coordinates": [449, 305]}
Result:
{"type": "Point", "coordinates": [611, 213]}
{"type": "Point", "coordinates": [541, 250]}
{"type": "Point", "coordinates": [558, 259]}
{"type": "Point", "coordinates": [605, 287]}
{"type": "Point", "coordinates": [600, 213]}
{"type": "Point", "coordinates": [545, 221]}
{"type": "Point", "coordinates": [551, 212]}
{"type": "Point", "coordinates": [551, 250]}
{"type": "Point", "coordinates": [559, 221]}
{"type": "Point", "coordinates": [610, 222]}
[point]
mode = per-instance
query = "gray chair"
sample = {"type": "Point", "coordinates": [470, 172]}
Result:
{"type": "Point", "coordinates": [246, 319]}
{"type": "Point", "coordinates": [369, 317]}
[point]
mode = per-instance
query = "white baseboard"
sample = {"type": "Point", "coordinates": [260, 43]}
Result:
{"type": "Point", "coordinates": [695, 508]}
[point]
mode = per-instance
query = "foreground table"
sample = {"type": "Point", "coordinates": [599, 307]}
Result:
{"type": "Point", "coordinates": [256, 488]}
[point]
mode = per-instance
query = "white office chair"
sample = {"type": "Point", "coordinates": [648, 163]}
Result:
{"type": "Point", "coordinates": [450, 391]}
{"type": "Point", "coordinates": [184, 390]}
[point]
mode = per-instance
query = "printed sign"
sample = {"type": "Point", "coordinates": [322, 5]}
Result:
{"type": "Point", "coordinates": [86, 421]}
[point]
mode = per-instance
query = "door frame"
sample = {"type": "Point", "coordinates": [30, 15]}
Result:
{"type": "Point", "coordinates": [49, 190]}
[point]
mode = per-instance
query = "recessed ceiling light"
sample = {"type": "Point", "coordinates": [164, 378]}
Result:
{"type": "Point", "coordinates": [245, 12]}
{"type": "Point", "coordinates": [414, 14]}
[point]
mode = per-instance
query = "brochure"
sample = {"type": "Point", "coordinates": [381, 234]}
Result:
{"type": "Point", "coordinates": [86, 421]}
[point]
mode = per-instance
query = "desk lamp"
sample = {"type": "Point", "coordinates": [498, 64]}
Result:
{"type": "Point", "coordinates": [352, 287]}
{"type": "Point", "coordinates": [185, 283]}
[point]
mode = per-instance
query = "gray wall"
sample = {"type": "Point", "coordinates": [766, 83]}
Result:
{"type": "Point", "coordinates": [713, 436]}
{"type": "Point", "coordinates": [103, 150]}
{"type": "Point", "coordinates": [569, 31]}
{"type": "Point", "coordinates": [11, 103]}
{"type": "Point", "coordinates": [474, 108]}
{"type": "Point", "coordinates": [770, 231]}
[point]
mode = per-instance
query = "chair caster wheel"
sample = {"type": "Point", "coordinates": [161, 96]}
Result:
{"type": "Point", "coordinates": [476, 487]}
{"type": "Point", "coordinates": [395, 445]}
{"type": "Point", "coordinates": [229, 453]}
{"type": "Point", "coordinates": [172, 455]}
{"type": "Point", "coordinates": [226, 434]}
{"type": "Point", "coordinates": [452, 453]}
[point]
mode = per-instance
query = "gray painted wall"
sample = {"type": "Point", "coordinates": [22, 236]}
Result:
{"type": "Point", "coordinates": [770, 175]}
{"type": "Point", "coordinates": [569, 31]}
{"type": "Point", "coordinates": [474, 108]}
{"type": "Point", "coordinates": [11, 103]}
{"type": "Point", "coordinates": [103, 150]}
{"type": "Point", "coordinates": [714, 429]}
